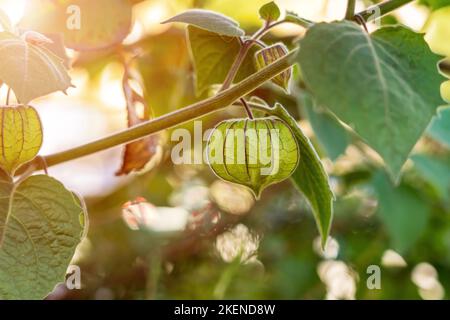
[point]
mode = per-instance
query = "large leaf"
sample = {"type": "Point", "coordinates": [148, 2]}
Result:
{"type": "Point", "coordinates": [30, 70]}
{"type": "Point", "coordinates": [384, 85]}
{"type": "Point", "coordinates": [41, 223]}
{"type": "Point", "coordinates": [402, 210]}
{"type": "Point", "coordinates": [20, 136]}
{"type": "Point", "coordinates": [213, 56]}
{"type": "Point", "coordinates": [440, 126]}
{"type": "Point", "coordinates": [85, 24]}
{"type": "Point", "coordinates": [310, 177]}
{"type": "Point", "coordinates": [210, 21]}
{"type": "Point", "coordinates": [330, 134]}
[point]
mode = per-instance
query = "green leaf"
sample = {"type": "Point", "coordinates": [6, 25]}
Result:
{"type": "Point", "coordinates": [20, 136]}
{"type": "Point", "coordinates": [86, 25]}
{"type": "Point", "coordinates": [384, 85]}
{"type": "Point", "coordinates": [41, 223]}
{"type": "Point", "coordinates": [330, 134]}
{"type": "Point", "coordinates": [436, 172]}
{"type": "Point", "coordinates": [402, 210]}
{"type": "Point", "coordinates": [310, 177]}
{"type": "Point", "coordinates": [5, 23]}
{"type": "Point", "coordinates": [269, 12]}
{"type": "Point", "coordinates": [254, 153]}
{"type": "Point", "coordinates": [30, 70]}
{"type": "Point", "coordinates": [209, 21]}
{"type": "Point", "coordinates": [440, 126]}
{"type": "Point", "coordinates": [213, 56]}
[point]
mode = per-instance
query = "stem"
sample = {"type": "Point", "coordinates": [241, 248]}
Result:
{"type": "Point", "coordinates": [383, 9]}
{"type": "Point", "coordinates": [299, 21]}
{"type": "Point", "coordinates": [236, 64]}
{"type": "Point", "coordinates": [258, 42]}
{"type": "Point", "coordinates": [219, 101]}
{"type": "Point", "coordinates": [247, 108]}
{"type": "Point", "coordinates": [350, 12]}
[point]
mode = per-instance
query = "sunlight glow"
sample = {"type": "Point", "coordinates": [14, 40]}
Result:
{"type": "Point", "coordinates": [14, 9]}
{"type": "Point", "coordinates": [111, 93]}
{"type": "Point", "coordinates": [148, 16]}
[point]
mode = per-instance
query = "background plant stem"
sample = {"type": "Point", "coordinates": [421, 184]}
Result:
{"type": "Point", "coordinates": [247, 44]}
{"type": "Point", "coordinates": [384, 8]}
{"type": "Point", "coordinates": [350, 9]}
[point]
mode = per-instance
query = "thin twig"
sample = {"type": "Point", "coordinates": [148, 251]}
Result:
{"type": "Point", "coordinates": [361, 21]}
{"type": "Point", "coordinates": [247, 108]}
{"type": "Point", "coordinates": [257, 42]}
{"type": "Point", "coordinates": [243, 53]}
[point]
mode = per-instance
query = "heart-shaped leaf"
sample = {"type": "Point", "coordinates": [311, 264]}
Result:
{"type": "Point", "coordinates": [384, 85]}
{"type": "Point", "coordinates": [269, 12]}
{"type": "Point", "coordinates": [20, 136]}
{"type": "Point", "coordinates": [30, 70]}
{"type": "Point", "coordinates": [210, 21]}
{"type": "Point", "coordinates": [213, 56]}
{"type": "Point", "coordinates": [41, 223]}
